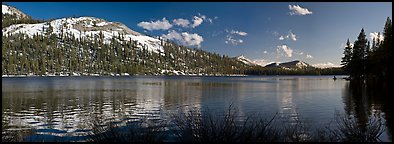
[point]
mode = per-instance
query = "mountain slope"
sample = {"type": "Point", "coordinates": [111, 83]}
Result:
{"type": "Point", "coordinates": [87, 28]}
{"type": "Point", "coordinates": [11, 15]}
{"type": "Point", "coordinates": [9, 10]}
{"type": "Point", "coordinates": [290, 65]}
{"type": "Point", "coordinates": [245, 60]}
{"type": "Point", "coordinates": [249, 62]}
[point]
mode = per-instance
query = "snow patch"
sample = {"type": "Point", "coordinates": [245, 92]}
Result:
{"type": "Point", "coordinates": [5, 9]}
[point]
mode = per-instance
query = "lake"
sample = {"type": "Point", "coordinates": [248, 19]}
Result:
{"type": "Point", "coordinates": [58, 108]}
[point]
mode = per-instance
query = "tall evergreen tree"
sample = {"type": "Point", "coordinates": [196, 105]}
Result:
{"type": "Point", "coordinates": [358, 57]}
{"type": "Point", "coordinates": [386, 50]}
{"type": "Point", "coordinates": [347, 58]}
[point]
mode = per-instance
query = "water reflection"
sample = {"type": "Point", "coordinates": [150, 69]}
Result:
{"type": "Point", "coordinates": [62, 107]}
{"type": "Point", "coordinates": [364, 100]}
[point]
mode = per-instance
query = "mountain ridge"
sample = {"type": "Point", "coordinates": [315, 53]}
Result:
{"type": "Point", "coordinates": [6, 9]}
{"type": "Point", "coordinates": [296, 64]}
{"type": "Point", "coordinates": [86, 27]}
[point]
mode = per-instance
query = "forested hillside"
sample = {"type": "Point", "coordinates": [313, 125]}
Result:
{"type": "Point", "coordinates": [75, 46]}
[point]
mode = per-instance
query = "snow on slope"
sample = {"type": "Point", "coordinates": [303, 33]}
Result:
{"type": "Point", "coordinates": [5, 9]}
{"type": "Point", "coordinates": [87, 27]}
{"type": "Point", "coordinates": [301, 64]}
{"type": "Point", "coordinates": [260, 62]}
{"type": "Point", "coordinates": [326, 65]}
{"type": "Point", "coordinates": [291, 65]}
{"type": "Point", "coordinates": [245, 60]}
{"type": "Point", "coordinates": [12, 11]}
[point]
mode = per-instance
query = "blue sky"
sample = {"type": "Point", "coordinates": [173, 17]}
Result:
{"type": "Point", "coordinates": [314, 32]}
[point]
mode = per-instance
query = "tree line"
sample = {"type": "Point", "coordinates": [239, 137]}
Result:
{"type": "Point", "coordinates": [366, 61]}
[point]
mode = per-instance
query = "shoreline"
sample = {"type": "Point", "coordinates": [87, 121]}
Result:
{"type": "Point", "coordinates": [191, 75]}
{"type": "Point", "coordinates": [197, 75]}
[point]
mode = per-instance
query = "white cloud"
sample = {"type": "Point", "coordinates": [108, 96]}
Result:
{"type": "Point", "coordinates": [325, 65]}
{"type": "Point", "coordinates": [197, 20]}
{"type": "Point", "coordinates": [231, 40]}
{"type": "Point", "coordinates": [375, 36]}
{"type": "Point", "coordinates": [265, 52]}
{"type": "Point", "coordinates": [297, 10]}
{"type": "Point", "coordinates": [230, 37]}
{"type": "Point", "coordinates": [156, 25]}
{"type": "Point", "coordinates": [181, 22]}
{"type": "Point", "coordinates": [285, 49]}
{"type": "Point", "coordinates": [172, 35]}
{"type": "Point", "coordinates": [241, 33]}
{"type": "Point", "coordinates": [185, 38]}
{"type": "Point", "coordinates": [309, 56]}
{"type": "Point", "coordinates": [291, 36]}
{"type": "Point", "coordinates": [209, 20]}
{"type": "Point", "coordinates": [192, 39]}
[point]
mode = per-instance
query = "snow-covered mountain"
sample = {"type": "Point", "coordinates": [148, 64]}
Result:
{"type": "Point", "coordinates": [5, 9]}
{"type": "Point", "coordinates": [245, 60]}
{"type": "Point", "coordinates": [87, 28]}
{"type": "Point", "coordinates": [290, 65]}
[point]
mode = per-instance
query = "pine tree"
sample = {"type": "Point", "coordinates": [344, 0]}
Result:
{"type": "Point", "coordinates": [386, 52]}
{"type": "Point", "coordinates": [358, 57]}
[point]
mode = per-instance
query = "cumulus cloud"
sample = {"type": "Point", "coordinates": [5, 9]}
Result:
{"type": "Point", "coordinates": [265, 52]}
{"type": "Point", "coordinates": [172, 35]}
{"type": "Point", "coordinates": [197, 20]}
{"type": "Point", "coordinates": [284, 49]}
{"type": "Point", "coordinates": [163, 24]}
{"type": "Point", "coordinates": [309, 56]}
{"type": "Point", "coordinates": [192, 39]}
{"type": "Point", "coordinates": [290, 36]}
{"type": "Point", "coordinates": [325, 65]}
{"type": "Point", "coordinates": [185, 38]}
{"type": "Point", "coordinates": [297, 10]}
{"type": "Point", "coordinates": [376, 36]}
{"type": "Point", "coordinates": [181, 22]}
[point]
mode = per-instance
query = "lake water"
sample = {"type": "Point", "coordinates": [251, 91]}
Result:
{"type": "Point", "coordinates": [58, 108]}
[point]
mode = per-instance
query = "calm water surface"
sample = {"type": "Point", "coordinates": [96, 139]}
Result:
{"type": "Point", "coordinates": [58, 108]}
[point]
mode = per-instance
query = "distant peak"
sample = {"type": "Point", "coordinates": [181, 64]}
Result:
{"type": "Point", "coordinates": [6, 9]}
{"type": "Point", "coordinates": [241, 56]}
{"type": "Point", "coordinates": [296, 64]}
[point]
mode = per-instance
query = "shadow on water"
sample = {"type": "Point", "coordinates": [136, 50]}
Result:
{"type": "Point", "coordinates": [363, 100]}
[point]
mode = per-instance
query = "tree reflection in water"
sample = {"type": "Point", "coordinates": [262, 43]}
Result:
{"type": "Point", "coordinates": [366, 100]}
